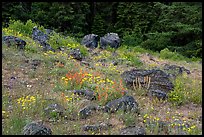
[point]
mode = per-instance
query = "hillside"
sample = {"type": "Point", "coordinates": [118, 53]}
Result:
{"type": "Point", "coordinates": [33, 81]}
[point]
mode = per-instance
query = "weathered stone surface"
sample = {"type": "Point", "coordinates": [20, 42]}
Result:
{"type": "Point", "coordinates": [90, 41]}
{"type": "Point", "coordinates": [111, 39]}
{"type": "Point", "coordinates": [96, 127]}
{"type": "Point", "coordinates": [42, 38]}
{"type": "Point", "coordinates": [156, 81]}
{"type": "Point", "coordinates": [39, 35]}
{"type": "Point", "coordinates": [135, 130]}
{"type": "Point", "coordinates": [54, 110]}
{"type": "Point", "coordinates": [174, 70]}
{"type": "Point", "coordinates": [76, 54]}
{"type": "Point", "coordinates": [12, 40]}
{"type": "Point", "coordinates": [125, 103]}
{"type": "Point", "coordinates": [87, 111]}
{"type": "Point", "coordinates": [36, 128]}
{"type": "Point", "coordinates": [87, 93]}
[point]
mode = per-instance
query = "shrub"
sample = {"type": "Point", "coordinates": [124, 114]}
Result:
{"type": "Point", "coordinates": [166, 54]}
{"type": "Point", "coordinates": [25, 29]}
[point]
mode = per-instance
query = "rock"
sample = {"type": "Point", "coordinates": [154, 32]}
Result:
{"type": "Point", "coordinates": [87, 111]}
{"type": "Point", "coordinates": [115, 63]}
{"type": "Point", "coordinates": [111, 39]}
{"type": "Point", "coordinates": [158, 93]}
{"type": "Point", "coordinates": [35, 63]}
{"type": "Point", "coordinates": [76, 54]}
{"type": "Point", "coordinates": [54, 111]}
{"type": "Point", "coordinates": [96, 127]}
{"type": "Point", "coordinates": [36, 128]}
{"type": "Point", "coordinates": [90, 41]}
{"type": "Point", "coordinates": [125, 103]}
{"type": "Point", "coordinates": [135, 130]}
{"type": "Point", "coordinates": [46, 46]}
{"type": "Point", "coordinates": [39, 35]}
{"type": "Point", "coordinates": [156, 81]}
{"type": "Point", "coordinates": [42, 38]}
{"type": "Point", "coordinates": [87, 93]}
{"type": "Point", "coordinates": [175, 70]}
{"type": "Point", "coordinates": [12, 40]}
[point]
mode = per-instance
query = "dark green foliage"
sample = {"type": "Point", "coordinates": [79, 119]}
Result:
{"type": "Point", "coordinates": [152, 25]}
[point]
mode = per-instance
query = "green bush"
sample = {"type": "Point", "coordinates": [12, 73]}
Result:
{"type": "Point", "coordinates": [166, 54]}
{"type": "Point", "coordinates": [25, 29]}
{"type": "Point", "coordinates": [133, 38]}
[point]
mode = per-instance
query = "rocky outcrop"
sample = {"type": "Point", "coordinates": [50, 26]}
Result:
{"type": "Point", "coordinates": [12, 40]}
{"type": "Point", "coordinates": [36, 128]}
{"type": "Point", "coordinates": [157, 82]}
{"type": "Point", "coordinates": [111, 39]}
{"type": "Point", "coordinates": [125, 103]}
{"type": "Point", "coordinates": [90, 41]}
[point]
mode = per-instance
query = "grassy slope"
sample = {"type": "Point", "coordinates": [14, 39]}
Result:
{"type": "Point", "coordinates": [45, 84]}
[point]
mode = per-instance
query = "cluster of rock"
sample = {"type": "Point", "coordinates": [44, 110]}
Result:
{"type": "Point", "coordinates": [91, 41]}
{"type": "Point", "coordinates": [12, 40]}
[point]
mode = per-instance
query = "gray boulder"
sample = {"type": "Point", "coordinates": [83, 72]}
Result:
{"type": "Point", "coordinates": [174, 70]}
{"type": "Point", "coordinates": [97, 127]}
{"type": "Point", "coordinates": [12, 40]}
{"type": "Point", "coordinates": [90, 95]}
{"type": "Point", "coordinates": [135, 130]}
{"type": "Point", "coordinates": [39, 35]}
{"type": "Point", "coordinates": [111, 39]}
{"type": "Point", "coordinates": [157, 82]}
{"type": "Point", "coordinates": [76, 54]}
{"type": "Point", "coordinates": [87, 111]}
{"type": "Point", "coordinates": [42, 38]}
{"type": "Point", "coordinates": [54, 111]}
{"type": "Point", "coordinates": [90, 41]}
{"type": "Point", "coordinates": [36, 128]}
{"type": "Point", "coordinates": [125, 103]}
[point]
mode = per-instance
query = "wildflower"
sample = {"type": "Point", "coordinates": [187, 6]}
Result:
{"type": "Point", "coordinates": [145, 115]}
{"type": "Point", "coordinates": [192, 127]}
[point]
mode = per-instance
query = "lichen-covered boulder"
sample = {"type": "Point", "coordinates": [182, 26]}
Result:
{"type": "Point", "coordinates": [42, 38]}
{"type": "Point", "coordinates": [134, 130]}
{"type": "Point", "coordinates": [76, 54]}
{"type": "Point", "coordinates": [54, 111]}
{"type": "Point", "coordinates": [12, 40]}
{"type": "Point", "coordinates": [90, 41]}
{"type": "Point", "coordinates": [174, 70]}
{"type": "Point", "coordinates": [37, 128]}
{"type": "Point", "coordinates": [39, 35]}
{"type": "Point", "coordinates": [88, 94]}
{"type": "Point", "coordinates": [97, 127]}
{"type": "Point", "coordinates": [87, 111]}
{"type": "Point", "coordinates": [111, 39]}
{"type": "Point", "coordinates": [125, 103]}
{"type": "Point", "coordinates": [157, 82]}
